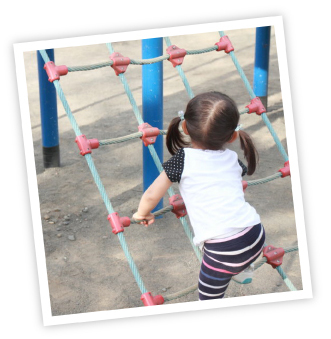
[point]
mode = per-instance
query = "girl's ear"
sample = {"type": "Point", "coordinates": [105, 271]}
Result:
{"type": "Point", "coordinates": [234, 136]}
{"type": "Point", "coordinates": [184, 127]}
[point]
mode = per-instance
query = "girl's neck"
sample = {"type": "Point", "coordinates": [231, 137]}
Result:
{"type": "Point", "coordinates": [196, 146]}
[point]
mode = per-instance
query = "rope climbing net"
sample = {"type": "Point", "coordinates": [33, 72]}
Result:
{"type": "Point", "coordinates": [148, 135]}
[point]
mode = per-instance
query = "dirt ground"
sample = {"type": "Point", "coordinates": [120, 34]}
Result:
{"type": "Point", "coordinates": [86, 266]}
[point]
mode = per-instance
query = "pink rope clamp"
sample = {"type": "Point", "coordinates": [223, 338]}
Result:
{"type": "Point", "coordinates": [274, 255]}
{"type": "Point", "coordinates": [224, 44]}
{"type": "Point", "coordinates": [256, 106]}
{"type": "Point", "coordinates": [176, 55]}
{"type": "Point", "coordinates": [149, 133]}
{"type": "Point", "coordinates": [178, 205]}
{"type": "Point", "coordinates": [120, 63]}
{"type": "Point", "coordinates": [149, 300]}
{"type": "Point", "coordinates": [54, 72]}
{"type": "Point", "coordinates": [117, 224]}
{"type": "Point", "coordinates": [86, 145]}
{"type": "Point", "coordinates": [285, 170]}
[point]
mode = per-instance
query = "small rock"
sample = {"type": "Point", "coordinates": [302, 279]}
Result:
{"type": "Point", "coordinates": [51, 222]}
{"type": "Point", "coordinates": [85, 210]}
{"type": "Point", "coordinates": [65, 258]}
{"type": "Point", "coordinates": [164, 289]}
{"type": "Point", "coordinates": [47, 217]}
{"type": "Point", "coordinates": [67, 217]}
{"type": "Point", "coordinates": [58, 229]}
{"type": "Point", "coordinates": [66, 223]}
{"type": "Point", "coordinates": [59, 235]}
{"type": "Point", "coordinates": [105, 237]}
{"type": "Point", "coordinates": [71, 237]}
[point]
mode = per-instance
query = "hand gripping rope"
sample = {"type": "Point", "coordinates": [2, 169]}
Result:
{"type": "Point", "coordinates": [148, 135]}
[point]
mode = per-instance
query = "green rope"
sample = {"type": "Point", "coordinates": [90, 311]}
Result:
{"type": "Point", "coordinates": [275, 137]}
{"type": "Point", "coordinates": [97, 179]}
{"type": "Point", "coordinates": [138, 61]}
{"type": "Point", "coordinates": [264, 180]}
{"type": "Point", "coordinates": [125, 138]}
{"type": "Point", "coordinates": [240, 71]}
{"type": "Point", "coordinates": [89, 67]}
{"type": "Point", "coordinates": [132, 264]}
{"type": "Point", "coordinates": [153, 153]}
{"type": "Point", "coordinates": [252, 95]}
{"type": "Point", "coordinates": [285, 278]}
{"type": "Point", "coordinates": [181, 73]}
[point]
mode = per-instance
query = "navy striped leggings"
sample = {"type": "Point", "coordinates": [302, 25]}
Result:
{"type": "Point", "coordinates": [226, 257]}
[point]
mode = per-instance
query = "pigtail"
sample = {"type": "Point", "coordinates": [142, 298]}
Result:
{"type": "Point", "coordinates": [250, 152]}
{"type": "Point", "coordinates": [175, 139]}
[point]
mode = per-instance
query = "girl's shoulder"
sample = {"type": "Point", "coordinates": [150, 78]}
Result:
{"type": "Point", "coordinates": [174, 166]}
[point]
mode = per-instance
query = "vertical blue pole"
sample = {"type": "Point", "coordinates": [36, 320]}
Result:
{"type": "Point", "coordinates": [152, 91]}
{"type": "Point", "coordinates": [48, 115]}
{"type": "Point", "coordinates": [261, 66]}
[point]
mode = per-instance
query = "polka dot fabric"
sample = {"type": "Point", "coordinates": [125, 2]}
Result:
{"type": "Point", "coordinates": [174, 166]}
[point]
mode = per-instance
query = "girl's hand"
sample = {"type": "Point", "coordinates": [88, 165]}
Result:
{"type": "Point", "coordinates": [144, 219]}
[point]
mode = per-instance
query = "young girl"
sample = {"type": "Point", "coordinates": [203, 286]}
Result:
{"type": "Point", "coordinates": [210, 182]}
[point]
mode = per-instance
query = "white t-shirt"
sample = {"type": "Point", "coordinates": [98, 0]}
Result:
{"type": "Point", "coordinates": [210, 183]}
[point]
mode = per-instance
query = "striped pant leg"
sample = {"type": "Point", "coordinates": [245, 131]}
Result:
{"type": "Point", "coordinates": [224, 258]}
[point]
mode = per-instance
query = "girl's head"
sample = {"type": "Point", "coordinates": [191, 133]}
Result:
{"type": "Point", "coordinates": [210, 120]}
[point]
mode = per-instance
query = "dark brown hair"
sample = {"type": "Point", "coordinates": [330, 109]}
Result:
{"type": "Point", "coordinates": [211, 119]}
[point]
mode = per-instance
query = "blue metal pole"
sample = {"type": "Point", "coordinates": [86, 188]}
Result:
{"type": "Point", "coordinates": [48, 115]}
{"type": "Point", "coordinates": [152, 91]}
{"type": "Point", "coordinates": [261, 66]}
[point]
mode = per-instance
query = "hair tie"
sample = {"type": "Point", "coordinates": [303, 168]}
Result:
{"type": "Point", "coordinates": [239, 127]}
{"type": "Point", "coordinates": [181, 115]}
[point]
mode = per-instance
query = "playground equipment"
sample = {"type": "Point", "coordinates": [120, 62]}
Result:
{"type": "Point", "coordinates": [149, 134]}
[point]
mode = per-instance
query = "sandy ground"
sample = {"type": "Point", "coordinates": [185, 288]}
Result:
{"type": "Point", "coordinates": [91, 273]}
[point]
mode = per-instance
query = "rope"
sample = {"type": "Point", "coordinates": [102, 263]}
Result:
{"type": "Point", "coordinates": [240, 71]}
{"type": "Point", "coordinates": [286, 279]}
{"type": "Point", "coordinates": [264, 180]}
{"type": "Point", "coordinates": [125, 138]}
{"type": "Point", "coordinates": [181, 73]}
{"type": "Point", "coordinates": [154, 154]}
{"type": "Point", "coordinates": [133, 267]}
{"type": "Point", "coordinates": [138, 61]}
{"type": "Point", "coordinates": [252, 95]}
{"type": "Point", "coordinates": [275, 137]}
{"type": "Point", "coordinates": [97, 179]}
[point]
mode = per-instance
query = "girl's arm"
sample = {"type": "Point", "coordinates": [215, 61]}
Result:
{"type": "Point", "coordinates": [151, 198]}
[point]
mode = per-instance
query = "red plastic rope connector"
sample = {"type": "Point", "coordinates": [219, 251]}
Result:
{"type": "Point", "coordinates": [117, 224]}
{"type": "Point", "coordinates": [54, 72]}
{"type": "Point", "coordinates": [120, 63]}
{"type": "Point", "coordinates": [274, 255]}
{"type": "Point", "coordinates": [245, 184]}
{"type": "Point", "coordinates": [176, 55]}
{"type": "Point", "coordinates": [149, 133]}
{"type": "Point", "coordinates": [256, 106]}
{"type": "Point", "coordinates": [86, 145]}
{"type": "Point", "coordinates": [285, 170]}
{"type": "Point", "coordinates": [224, 44]}
{"type": "Point", "coordinates": [178, 205]}
{"type": "Point", "coordinates": [149, 300]}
